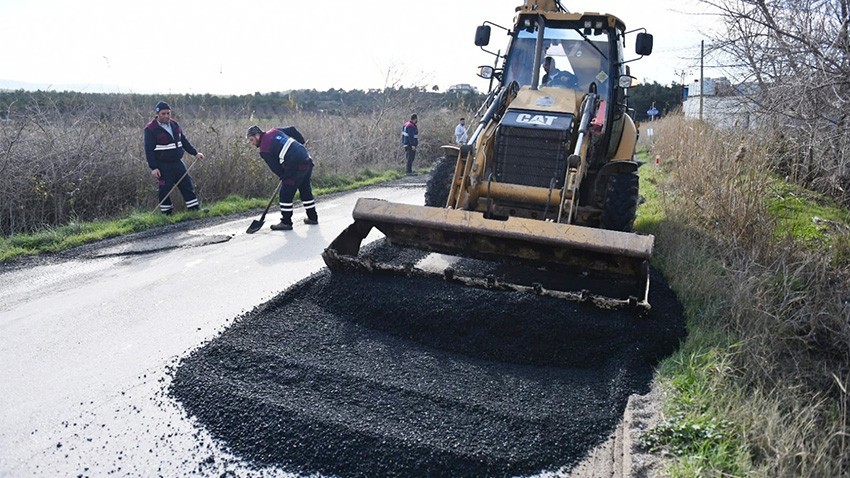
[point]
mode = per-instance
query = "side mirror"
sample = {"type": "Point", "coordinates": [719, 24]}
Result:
{"type": "Point", "coordinates": [485, 72]}
{"type": "Point", "coordinates": [643, 45]}
{"type": "Point", "coordinates": [625, 81]}
{"type": "Point", "coordinates": [482, 35]}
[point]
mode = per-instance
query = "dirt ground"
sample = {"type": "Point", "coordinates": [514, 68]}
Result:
{"type": "Point", "coordinates": [352, 374]}
{"type": "Point", "coordinates": [621, 456]}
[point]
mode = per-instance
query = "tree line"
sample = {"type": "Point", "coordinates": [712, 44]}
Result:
{"type": "Point", "coordinates": [666, 99]}
{"type": "Point", "coordinates": [266, 105]}
{"type": "Point", "coordinates": [262, 105]}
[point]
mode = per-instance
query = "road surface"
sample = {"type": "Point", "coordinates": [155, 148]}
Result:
{"type": "Point", "coordinates": [86, 344]}
{"type": "Point", "coordinates": [91, 343]}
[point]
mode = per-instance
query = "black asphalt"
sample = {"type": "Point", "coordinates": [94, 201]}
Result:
{"type": "Point", "coordinates": [355, 375]}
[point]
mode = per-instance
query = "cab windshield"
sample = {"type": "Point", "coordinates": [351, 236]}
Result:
{"type": "Point", "coordinates": [577, 60]}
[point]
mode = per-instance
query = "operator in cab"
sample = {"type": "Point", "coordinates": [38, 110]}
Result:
{"type": "Point", "coordinates": [556, 77]}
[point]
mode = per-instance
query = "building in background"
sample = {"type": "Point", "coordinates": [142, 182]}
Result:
{"type": "Point", "coordinates": [723, 103]}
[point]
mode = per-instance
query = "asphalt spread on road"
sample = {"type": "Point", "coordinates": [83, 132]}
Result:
{"type": "Point", "coordinates": [355, 374]}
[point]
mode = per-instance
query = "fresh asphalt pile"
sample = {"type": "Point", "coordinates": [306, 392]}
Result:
{"type": "Point", "coordinates": [351, 374]}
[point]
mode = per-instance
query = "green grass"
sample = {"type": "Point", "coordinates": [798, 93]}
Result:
{"type": "Point", "coordinates": [806, 216]}
{"type": "Point", "coordinates": [649, 214]}
{"type": "Point", "coordinates": [76, 234]}
{"type": "Point", "coordinates": [79, 233]}
{"type": "Point", "coordinates": [367, 177]}
{"type": "Point", "coordinates": [698, 428]}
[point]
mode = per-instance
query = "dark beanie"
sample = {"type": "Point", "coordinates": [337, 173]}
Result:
{"type": "Point", "coordinates": [162, 106]}
{"type": "Point", "coordinates": [254, 130]}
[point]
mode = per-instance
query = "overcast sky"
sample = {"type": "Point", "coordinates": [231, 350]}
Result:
{"type": "Point", "coordinates": [224, 47]}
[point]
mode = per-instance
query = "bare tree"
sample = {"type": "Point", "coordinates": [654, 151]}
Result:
{"type": "Point", "coordinates": [796, 53]}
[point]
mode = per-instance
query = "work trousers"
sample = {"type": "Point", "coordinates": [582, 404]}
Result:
{"type": "Point", "coordinates": [297, 178]}
{"type": "Point", "coordinates": [169, 173]}
{"type": "Point", "coordinates": [411, 155]}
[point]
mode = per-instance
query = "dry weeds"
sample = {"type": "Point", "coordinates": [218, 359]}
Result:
{"type": "Point", "coordinates": [788, 306]}
{"type": "Point", "coordinates": [91, 165]}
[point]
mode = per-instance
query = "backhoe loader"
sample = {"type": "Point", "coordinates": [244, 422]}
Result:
{"type": "Point", "coordinates": [548, 177]}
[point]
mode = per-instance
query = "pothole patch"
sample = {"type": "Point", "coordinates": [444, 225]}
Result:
{"type": "Point", "coordinates": [161, 243]}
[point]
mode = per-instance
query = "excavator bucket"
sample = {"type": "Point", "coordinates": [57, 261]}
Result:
{"type": "Point", "coordinates": [469, 234]}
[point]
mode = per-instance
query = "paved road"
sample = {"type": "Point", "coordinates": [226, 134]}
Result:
{"type": "Point", "coordinates": [86, 344]}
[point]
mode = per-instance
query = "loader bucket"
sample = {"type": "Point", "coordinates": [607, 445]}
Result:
{"type": "Point", "coordinates": [467, 233]}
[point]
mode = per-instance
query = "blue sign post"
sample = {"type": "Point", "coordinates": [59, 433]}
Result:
{"type": "Point", "coordinates": [652, 113]}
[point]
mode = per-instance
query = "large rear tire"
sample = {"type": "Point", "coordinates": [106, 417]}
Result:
{"type": "Point", "coordinates": [438, 186]}
{"type": "Point", "coordinates": [621, 201]}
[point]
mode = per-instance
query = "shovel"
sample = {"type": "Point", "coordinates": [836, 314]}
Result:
{"type": "Point", "coordinates": [257, 224]}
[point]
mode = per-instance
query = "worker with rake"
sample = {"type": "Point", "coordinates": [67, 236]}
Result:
{"type": "Point", "coordinates": [164, 146]}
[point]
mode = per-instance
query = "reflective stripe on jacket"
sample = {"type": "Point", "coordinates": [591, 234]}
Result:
{"type": "Point", "coordinates": [409, 134]}
{"type": "Point", "coordinates": [162, 147]}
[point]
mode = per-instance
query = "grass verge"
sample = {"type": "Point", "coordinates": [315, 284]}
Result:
{"type": "Point", "coordinates": [759, 387]}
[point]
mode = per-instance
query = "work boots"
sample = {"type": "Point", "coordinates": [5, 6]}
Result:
{"type": "Point", "coordinates": [281, 226]}
{"type": "Point", "coordinates": [287, 226]}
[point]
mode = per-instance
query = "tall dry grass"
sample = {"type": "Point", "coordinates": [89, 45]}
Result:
{"type": "Point", "coordinates": [90, 164]}
{"type": "Point", "coordinates": [787, 307]}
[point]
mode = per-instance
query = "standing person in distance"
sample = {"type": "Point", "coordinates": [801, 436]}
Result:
{"type": "Point", "coordinates": [410, 140]}
{"type": "Point", "coordinates": [460, 132]}
{"type": "Point", "coordinates": [164, 146]}
{"type": "Point", "coordinates": [283, 151]}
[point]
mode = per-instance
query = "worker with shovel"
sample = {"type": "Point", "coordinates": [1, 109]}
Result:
{"type": "Point", "coordinates": [283, 151]}
{"type": "Point", "coordinates": [164, 146]}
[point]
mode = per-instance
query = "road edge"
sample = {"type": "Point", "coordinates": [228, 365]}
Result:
{"type": "Point", "coordinates": [621, 455]}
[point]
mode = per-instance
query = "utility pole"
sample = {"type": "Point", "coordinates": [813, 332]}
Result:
{"type": "Point", "coordinates": [701, 77]}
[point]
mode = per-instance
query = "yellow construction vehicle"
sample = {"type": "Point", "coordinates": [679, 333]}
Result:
{"type": "Point", "coordinates": [549, 175]}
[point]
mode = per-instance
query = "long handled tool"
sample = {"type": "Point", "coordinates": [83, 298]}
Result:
{"type": "Point", "coordinates": [175, 185]}
{"type": "Point", "coordinates": [257, 224]}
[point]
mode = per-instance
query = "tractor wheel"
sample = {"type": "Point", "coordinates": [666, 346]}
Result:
{"type": "Point", "coordinates": [438, 186]}
{"type": "Point", "coordinates": [621, 201]}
